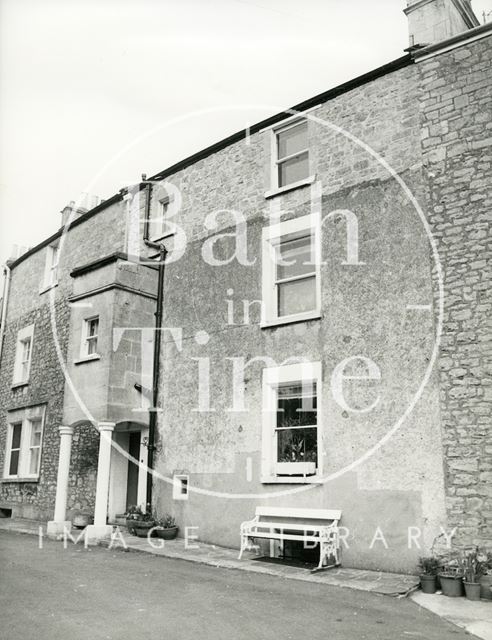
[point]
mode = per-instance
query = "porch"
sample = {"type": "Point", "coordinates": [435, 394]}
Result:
{"type": "Point", "coordinates": [121, 479]}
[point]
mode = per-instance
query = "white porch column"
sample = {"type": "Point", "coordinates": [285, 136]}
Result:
{"type": "Point", "coordinates": [100, 529]}
{"type": "Point", "coordinates": [57, 525]}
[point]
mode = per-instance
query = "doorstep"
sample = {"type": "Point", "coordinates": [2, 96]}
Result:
{"type": "Point", "coordinates": [474, 617]}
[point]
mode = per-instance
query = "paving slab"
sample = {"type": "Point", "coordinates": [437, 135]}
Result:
{"type": "Point", "coordinates": [474, 617]}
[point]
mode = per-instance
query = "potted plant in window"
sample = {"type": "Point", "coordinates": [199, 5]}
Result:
{"type": "Point", "coordinates": [428, 576]}
{"type": "Point", "coordinates": [139, 522]}
{"type": "Point", "coordinates": [294, 460]}
{"type": "Point", "coordinates": [166, 527]}
{"type": "Point", "coordinates": [451, 578]}
{"type": "Point", "coordinates": [472, 569]}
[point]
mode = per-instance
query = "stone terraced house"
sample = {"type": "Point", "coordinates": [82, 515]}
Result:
{"type": "Point", "coordinates": [323, 339]}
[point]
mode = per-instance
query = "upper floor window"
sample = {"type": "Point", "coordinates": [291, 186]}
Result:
{"type": "Point", "coordinates": [290, 154]}
{"type": "Point", "coordinates": [51, 266]}
{"type": "Point", "coordinates": [24, 442]}
{"type": "Point", "coordinates": [89, 337]}
{"type": "Point", "coordinates": [291, 270]}
{"type": "Point", "coordinates": [23, 354]}
{"type": "Point", "coordinates": [160, 225]}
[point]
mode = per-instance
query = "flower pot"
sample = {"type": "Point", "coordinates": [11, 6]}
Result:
{"type": "Point", "coordinates": [166, 534]}
{"type": "Point", "coordinates": [120, 519]}
{"type": "Point", "coordinates": [452, 586]}
{"type": "Point", "coordinates": [472, 590]}
{"type": "Point", "coordinates": [142, 528]}
{"type": "Point", "coordinates": [296, 468]}
{"type": "Point", "coordinates": [428, 583]}
{"type": "Point", "coordinates": [485, 587]}
{"type": "Point", "coordinates": [81, 520]}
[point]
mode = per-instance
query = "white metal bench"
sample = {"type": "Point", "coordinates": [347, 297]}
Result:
{"type": "Point", "coordinates": [305, 525]}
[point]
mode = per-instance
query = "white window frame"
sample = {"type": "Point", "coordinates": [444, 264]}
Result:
{"type": "Point", "coordinates": [27, 418]}
{"type": "Point", "coordinates": [164, 204]}
{"type": "Point", "coordinates": [51, 267]}
{"type": "Point", "coordinates": [275, 161]}
{"type": "Point", "coordinates": [272, 237]}
{"type": "Point", "coordinates": [85, 339]}
{"type": "Point", "coordinates": [272, 378]}
{"type": "Point", "coordinates": [21, 376]}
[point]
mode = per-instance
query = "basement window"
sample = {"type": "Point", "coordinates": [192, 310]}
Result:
{"type": "Point", "coordinates": [180, 487]}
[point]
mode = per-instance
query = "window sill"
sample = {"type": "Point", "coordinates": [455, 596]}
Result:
{"type": "Point", "coordinates": [290, 187]}
{"type": "Point", "coordinates": [315, 315]}
{"type": "Point", "coordinates": [7, 480]}
{"type": "Point", "coordinates": [292, 480]}
{"type": "Point", "coordinates": [91, 358]}
{"type": "Point", "coordinates": [18, 385]}
{"type": "Point", "coordinates": [48, 288]}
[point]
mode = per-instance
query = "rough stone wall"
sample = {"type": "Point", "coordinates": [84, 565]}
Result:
{"type": "Point", "coordinates": [456, 109]}
{"type": "Point", "coordinates": [96, 238]}
{"type": "Point", "coordinates": [34, 499]}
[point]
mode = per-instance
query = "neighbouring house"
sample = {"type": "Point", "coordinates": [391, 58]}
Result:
{"type": "Point", "coordinates": [323, 339]}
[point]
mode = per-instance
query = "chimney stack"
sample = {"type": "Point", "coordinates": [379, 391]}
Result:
{"type": "Point", "coordinates": [67, 211]}
{"type": "Point", "coordinates": [431, 21]}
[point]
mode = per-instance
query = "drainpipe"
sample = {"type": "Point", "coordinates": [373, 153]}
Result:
{"type": "Point", "coordinates": [6, 286]}
{"type": "Point", "coordinates": [157, 347]}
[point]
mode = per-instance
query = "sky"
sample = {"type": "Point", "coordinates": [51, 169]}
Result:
{"type": "Point", "coordinates": [93, 93]}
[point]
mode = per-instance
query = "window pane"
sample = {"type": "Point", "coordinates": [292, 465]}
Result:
{"type": "Point", "coordinates": [34, 462]}
{"type": "Point", "coordinates": [26, 350]}
{"type": "Point", "coordinates": [299, 253]}
{"type": "Point", "coordinates": [14, 463]}
{"type": "Point", "coordinates": [91, 346]}
{"type": "Point", "coordinates": [36, 433]}
{"type": "Point", "coordinates": [293, 170]}
{"type": "Point", "coordinates": [296, 410]}
{"type": "Point", "coordinates": [16, 436]}
{"type": "Point", "coordinates": [292, 140]}
{"type": "Point", "coordinates": [93, 326]}
{"type": "Point", "coordinates": [297, 296]}
{"type": "Point", "coordinates": [297, 445]}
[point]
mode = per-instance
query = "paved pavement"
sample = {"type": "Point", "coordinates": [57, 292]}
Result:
{"type": "Point", "coordinates": [97, 593]}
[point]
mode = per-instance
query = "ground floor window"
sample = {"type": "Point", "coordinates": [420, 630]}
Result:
{"type": "Point", "coordinates": [24, 442]}
{"type": "Point", "coordinates": [291, 423]}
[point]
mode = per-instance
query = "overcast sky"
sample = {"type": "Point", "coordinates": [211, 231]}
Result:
{"type": "Point", "coordinates": [89, 89]}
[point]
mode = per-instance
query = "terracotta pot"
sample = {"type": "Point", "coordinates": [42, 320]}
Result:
{"type": "Point", "coordinates": [428, 583]}
{"type": "Point", "coordinates": [485, 587]}
{"type": "Point", "coordinates": [166, 534]}
{"type": "Point", "coordinates": [472, 590]}
{"type": "Point", "coordinates": [452, 586]}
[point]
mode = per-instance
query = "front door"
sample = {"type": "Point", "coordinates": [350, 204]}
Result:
{"type": "Point", "coordinates": [132, 477]}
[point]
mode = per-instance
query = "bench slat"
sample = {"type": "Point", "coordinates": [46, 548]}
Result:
{"type": "Point", "coordinates": [286, 512]}
{"type": "Point", "coordinates": [289, 526]}
{"type": "Point", "coordinates": [283, 536]}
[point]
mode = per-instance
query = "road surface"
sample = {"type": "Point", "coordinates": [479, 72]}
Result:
{"type": "Point", "coordinates": [100, 594]}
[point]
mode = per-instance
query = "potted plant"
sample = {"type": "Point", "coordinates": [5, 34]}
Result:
{"type": "Point", "coordinates": [139, 522]}
{"type": "Point", "coordinates": [428, 576]}
{"type": "Point", "coordinates": [472, 569]}
{"type": "Point", "coordinates": [166, 527]}
{"type": "Point", "coordinates": [485, 580]}
{"type": "Point", "coordinates": [451, 578]}
{"type": "Point", "coordinates": [81, 519]}
{"type": "Point", "coordinates": [295, 460]}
